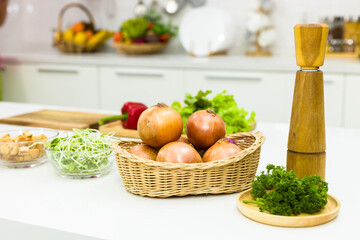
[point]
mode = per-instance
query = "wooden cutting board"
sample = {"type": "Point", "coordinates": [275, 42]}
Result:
{"type": "Point", "coordinates": [118, 130]}
{"type": "Point", "coordinates": [63, 120]}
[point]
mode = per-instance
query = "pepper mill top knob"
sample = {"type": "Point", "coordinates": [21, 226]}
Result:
{"type": "Point", "coordinates": [310, 44]}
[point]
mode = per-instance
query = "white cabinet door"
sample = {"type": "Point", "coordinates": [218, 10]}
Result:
{"type": "Point", "coordinates": [334, 99]}
{"type": "Point", "coordinates": [147, 85]}
{"type": "Point", "coordinates": [352, 101]}
{"type": "Point", "coordinates": [51, 84]}
{"type": "Point", "coordinates": [269, 95]}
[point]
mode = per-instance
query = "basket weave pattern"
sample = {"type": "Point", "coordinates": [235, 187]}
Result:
{"type": "Point", "coordinates": [142, 48]}
{"type": "Point", "coordinates": [154, 179]}
{"type": "Point", "coordinates": [69, 47]}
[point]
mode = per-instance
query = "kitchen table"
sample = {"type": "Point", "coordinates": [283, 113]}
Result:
{"type": "Point", "coordinates": [37, 204]}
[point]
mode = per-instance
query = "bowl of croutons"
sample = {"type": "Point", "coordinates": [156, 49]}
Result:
{"type": "Point", "coordinates": [23, 148]}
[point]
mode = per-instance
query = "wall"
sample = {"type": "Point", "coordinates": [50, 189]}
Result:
{"type": "Point", "coordinates": [32, 22]}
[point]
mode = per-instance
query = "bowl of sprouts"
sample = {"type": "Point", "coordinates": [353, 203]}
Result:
{"type": "Point", "coordinates": [82, 153]}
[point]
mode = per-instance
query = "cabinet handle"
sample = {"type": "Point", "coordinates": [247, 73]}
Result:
{"type": "Point", "coordinates": [327, 81]}
{"type": "Point", "coordinates": [130, 74]}
{"type": "Point", "coordinates": [250, 79]}
{"type": "Point", "coordinates": [51, 70]}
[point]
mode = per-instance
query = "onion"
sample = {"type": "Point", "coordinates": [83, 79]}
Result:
{"type": "Point", "coordinates": [159, 124]}
{"type": "Point", "coordinates": [143, 151]}
{"type": "Point", "coordinates": [178, 152]}
{"type": "Point", "coordinates": [184, 140]}
{"type": "Point", "coordinates": [204, 128]}
{"type": "Point", "coordinates": [222, 149]}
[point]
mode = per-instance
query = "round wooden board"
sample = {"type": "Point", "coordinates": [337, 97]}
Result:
{"type": "Point", "coordinates": [328, 213]}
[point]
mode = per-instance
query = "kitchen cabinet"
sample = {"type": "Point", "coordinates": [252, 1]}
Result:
{"type": "Point", "coordinates": [269, 95]}
{"type": "Point", "coordinates": [352, 101]}
{"type": "Point", "coordinates": [148, 85]}
{"type": "Point", "coordinates": [51, 84]}
{"type": "Point", "coordinates": [334, 99]}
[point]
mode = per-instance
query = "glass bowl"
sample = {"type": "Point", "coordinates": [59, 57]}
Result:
{"type": "Point", "coordinates": [84, 164]}
{"type": "Point", "coordinates": [23, 148]}
{"type": "Point", "coordinates": [82, 153]}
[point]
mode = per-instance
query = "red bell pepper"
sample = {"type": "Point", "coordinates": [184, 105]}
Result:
{"type": "Point", "coordinates": [131, 112]}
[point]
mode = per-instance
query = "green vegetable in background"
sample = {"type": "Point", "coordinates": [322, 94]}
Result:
{"type": "Point", "coordinates": [159, 27]}
{"type": "Point", "coordinates": [280, 192]}
{"type": "Point", "coordinates": [134, 28]}
{"type": "Point", "coordinates": [168, 28]}
{"type": "Point", "coordinates": [236, 119]}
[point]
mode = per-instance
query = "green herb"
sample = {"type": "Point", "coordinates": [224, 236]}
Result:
{"type": "Point", "coordinates": [223, 104]}
{"type": "Point", "coordinates": [280, 192]}
{"type": "Point", "coordinates": [84, 152]}
{"type": "Point", "coordinates": [159, 27]}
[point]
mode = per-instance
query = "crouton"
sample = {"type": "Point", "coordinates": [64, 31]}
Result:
{"type": "Point", "coordinates": [7, 157]}
{"type": "Point", "coordinates": [27, 134]}
{"type": "Point", "coordinates": [20, 138]}
{"type": "Point", "coordinates": [39, 146]}
{"type": "Point", "coordinates": [5, 148]}
{"type": "Point", "coordinates": [6, 138]}
{"type": "Point", "coordinates": [35, 138]}
{"type": "Point", "coordinates": [24, 151]}
{"type": "Point", "coordinates": [14, 149]}
{"type": "Point", "coordinates": [28, 158]}
{"type": "Point", "coordinates": [34, 153]}
{"type": "Point", "coordinates": [18, 158]}
{"type": "Point", "coordinates": [41, 153]}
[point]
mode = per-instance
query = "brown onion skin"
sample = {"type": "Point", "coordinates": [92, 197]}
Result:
{"type": "Point", "coordinates": [143, 151]}
{"type": "Point", "coordinates": [204, 128]}
{"type": "Point", "coordinates": [222, 149]}
{"type": "Point", "coordinates": [184, 140]}
{"type": "Point", "coordinates": [159, 125]}
{"type": "Point", "coordinates": [178, 152]}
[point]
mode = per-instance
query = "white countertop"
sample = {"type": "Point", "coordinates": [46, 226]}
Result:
{"type": "Point", "coordinates": [170, 59]}
{"type": "Point", "coordinates": [102, 208]}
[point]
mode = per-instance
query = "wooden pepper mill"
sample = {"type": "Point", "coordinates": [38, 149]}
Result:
{"type": "Point", "coordinates": [306, 143]}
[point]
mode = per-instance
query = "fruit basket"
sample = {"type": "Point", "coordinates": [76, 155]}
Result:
{"type": "Point", "coordinates": [144, 35]}
{"type": "Point", "coordinates": [81, 37]}
{"type": "Point", "coordinates": [159, 179]}
{"type": "Point", "coordinates": [142, 48]}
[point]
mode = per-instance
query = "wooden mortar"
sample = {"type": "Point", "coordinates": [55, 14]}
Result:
{"type": "Point", "coordinates": [306, 142]}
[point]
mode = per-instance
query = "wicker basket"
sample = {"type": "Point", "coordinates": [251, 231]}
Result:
{"type": "Point", "coordinates": [137, 49]}
{"type": "Point", "coordinates": [70, 47]}
{"type": "Point", "coordinates": [156, 179]}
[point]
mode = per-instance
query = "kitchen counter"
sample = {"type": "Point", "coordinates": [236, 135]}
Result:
{"type": "Point", "coordinates": [171, 58]}
{"type": "Point", "coordinates": [101, 208]}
